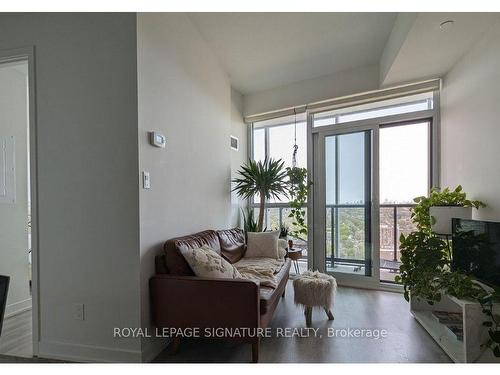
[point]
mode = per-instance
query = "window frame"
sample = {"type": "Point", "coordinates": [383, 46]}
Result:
{"type": "Point", "coordinates": [431, 115]}
{"type": "Point", "coordinates": [397, 206]}
{"type": "Point", "coordinates": [270, 205]}
{"type": "Point", "coordinates": [316, 259]}
{"type": "Point", "coordinates": [337, 117]}
{"type": "Point", "coordinates": [251, 155]}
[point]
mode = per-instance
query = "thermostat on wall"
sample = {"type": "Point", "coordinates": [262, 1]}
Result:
{"type": "Point", "coordinates": [157, 139]}
{"type": "Point", "coordinates": [235, 143]}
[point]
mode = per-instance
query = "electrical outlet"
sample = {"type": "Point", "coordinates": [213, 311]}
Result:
{"type": "Point", "coordinates": [79, 311]}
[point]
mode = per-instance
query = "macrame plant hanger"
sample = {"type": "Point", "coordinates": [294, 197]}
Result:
{"type": "Point", "coordinates": [295, 146]}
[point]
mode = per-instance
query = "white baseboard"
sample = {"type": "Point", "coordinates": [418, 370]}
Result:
{"type": "Point", "coordinates": [153, 347]}
{"type": "Point", "coordinates": [87, 353]}
{"type": "Point", "coordinates": [17, 308]}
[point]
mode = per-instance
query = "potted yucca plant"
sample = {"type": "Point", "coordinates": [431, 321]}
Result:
{"type": "Point", "coordinates": [267, 179]}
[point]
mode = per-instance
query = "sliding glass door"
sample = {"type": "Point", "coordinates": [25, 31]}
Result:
{"type": "Point", "coordinates": [368, 166]}
{"type": "Point", "coordinates": [348, 202]}
{"type": "Point", "coordinates": [343, 203]}
{"type": "Point", "coordinates": [404, 173]}
{"type": "Point", "coordinates": [367, 162]}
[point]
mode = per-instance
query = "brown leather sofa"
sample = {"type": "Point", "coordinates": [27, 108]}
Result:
{"type": "Point", "coordinates": [182, 300]}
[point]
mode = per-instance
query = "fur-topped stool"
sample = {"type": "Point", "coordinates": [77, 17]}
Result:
{"type": "Point", "coordinates": [315, 289]}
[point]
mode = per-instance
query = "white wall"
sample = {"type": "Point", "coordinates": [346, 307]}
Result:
{"type": "Point", "coordinates": [239, 130]}
{"type": "Point", "coordinates": [470, 114]}
{"type": "Point", "coordinates": [86, 95]}
{"type": "Point", "coordinates": [312, 90]}
{"type": "Point", "coordinates": [183, 93]}
{"type": "Point", "coordinates": [14, 215]}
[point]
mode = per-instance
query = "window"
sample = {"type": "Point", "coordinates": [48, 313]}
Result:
{"type": "Point", "coordinates": [404, 162]}
{"type": "Point", "coordinates": [404, 174]}
{"type": "Point", "coordinates": [259, 144]}
{"type": "Point", "coordinates": [387, 143]}
{"type": "Point", "coordinates": [275, 139]}
{"type": "Point", "coordinates": [376, 152]}
{"type": "Point", "coordinates": [407, 104]}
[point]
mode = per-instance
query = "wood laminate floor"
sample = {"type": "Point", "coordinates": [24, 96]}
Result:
{"type": "Point", "coordinates": [16, 339]}
{"type": "Point", "coordinates": [406, 341]}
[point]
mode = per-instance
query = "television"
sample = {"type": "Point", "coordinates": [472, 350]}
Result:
{"type": "Point", "coordinates": [4, 287]}
{"type": "Point", "coordinates": [476, 250]}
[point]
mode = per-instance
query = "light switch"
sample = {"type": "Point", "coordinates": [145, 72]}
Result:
{"type": "Point", "coordinates": [79, 311]}
{"type": "Point", "coordinates": [146, 181]}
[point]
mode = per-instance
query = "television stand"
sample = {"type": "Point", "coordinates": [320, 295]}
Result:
{"type": "Point", "coordinates": [457, 327]}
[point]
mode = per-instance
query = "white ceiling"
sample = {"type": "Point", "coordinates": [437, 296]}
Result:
{"type": "Point", "coordinates": [426, 51]}
{"type": "Point", "coordinates": [260, 51]}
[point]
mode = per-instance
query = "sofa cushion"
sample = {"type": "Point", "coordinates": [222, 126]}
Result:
{"type": "Point", "coordinates": [176, 264]}
{"type": "Point", "coordinates": [260, 270]}
{"type": "Point", "coordinates": [282, 248]}
{"type": "Point", "coordinates": [232, 244]}
{"type": "Point", "coordinates": [262, 244]}
{"type": "Point", "coordinates": [268, 296]}
{"type": "Point", "coordinates": [207, 263]}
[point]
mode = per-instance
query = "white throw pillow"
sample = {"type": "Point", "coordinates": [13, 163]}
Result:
{"type": "Point", "coordinates": [205, 262]}
{"type": "Point", "coordinates": [262, 244]}
{"type": "Point", "coordinates": [282, 246]}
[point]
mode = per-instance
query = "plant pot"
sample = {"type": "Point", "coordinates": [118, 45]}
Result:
{"type": "Point", "coordinates": [443, 216]}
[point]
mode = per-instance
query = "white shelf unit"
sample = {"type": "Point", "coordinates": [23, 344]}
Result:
{"type": "Point", "coordinates": [467, 350]}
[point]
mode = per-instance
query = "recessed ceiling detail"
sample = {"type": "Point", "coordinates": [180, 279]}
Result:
{"type": "Point", "coordinates": [433, 44]}
{"type": "Point", "coordinates": [260, 51]}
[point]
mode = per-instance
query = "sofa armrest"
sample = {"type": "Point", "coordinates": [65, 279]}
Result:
{"type": "Point", "coordinates": [196, 302]}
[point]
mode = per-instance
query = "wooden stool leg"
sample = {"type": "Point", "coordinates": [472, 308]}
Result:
{"type": "Point", "coordinates": [308, 316]}
{"type": "Point", "coordinates": [329, 313]}
{"type": "Point", "coordinates": [174, 345]}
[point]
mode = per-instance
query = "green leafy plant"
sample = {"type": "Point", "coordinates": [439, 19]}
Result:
{"type": "Point", "coordinates": [249, 222]}
{"type": "Point", "coordinates": [284, 229]}
{"type": "Point", "coordinates": [298, 189]}
{"type": "Point", "coordinates": [493, 323]}
{"type": "Point", "coordinates": [423, 259]}
{"type": "Point", "coordinates": [267, 178]}
{"type": "Point", "coordinates": [425, 263]}
{"type": "Point", "coordinates": [446, 197]}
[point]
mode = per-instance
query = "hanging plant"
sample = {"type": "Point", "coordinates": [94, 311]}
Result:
{"type": "Point", "coordinates": [298, 189]}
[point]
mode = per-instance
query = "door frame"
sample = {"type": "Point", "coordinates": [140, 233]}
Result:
{"type": "Point", "coordinates": [319, 184]}
{"type": "Point", "coordinates": [316, 176]}
{"type": "Point", "coordinates": [28, 54]}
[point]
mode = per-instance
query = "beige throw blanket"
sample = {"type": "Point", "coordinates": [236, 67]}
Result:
{"type": "Point", "coordinates": [261, 270]}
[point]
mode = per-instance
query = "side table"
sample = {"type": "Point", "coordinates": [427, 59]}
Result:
{"type": "Point", "coordinates": [295, 255]}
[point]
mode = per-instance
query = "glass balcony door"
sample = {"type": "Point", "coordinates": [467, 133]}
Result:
{"type": "Point", "coordinates": [345, 193]}
{"type": "Point", "coordinates": [348, 203]}
{"type": "Point", "coordinates": [368, 177]}
{"type": "Point", "coordinates": [405, 173]}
